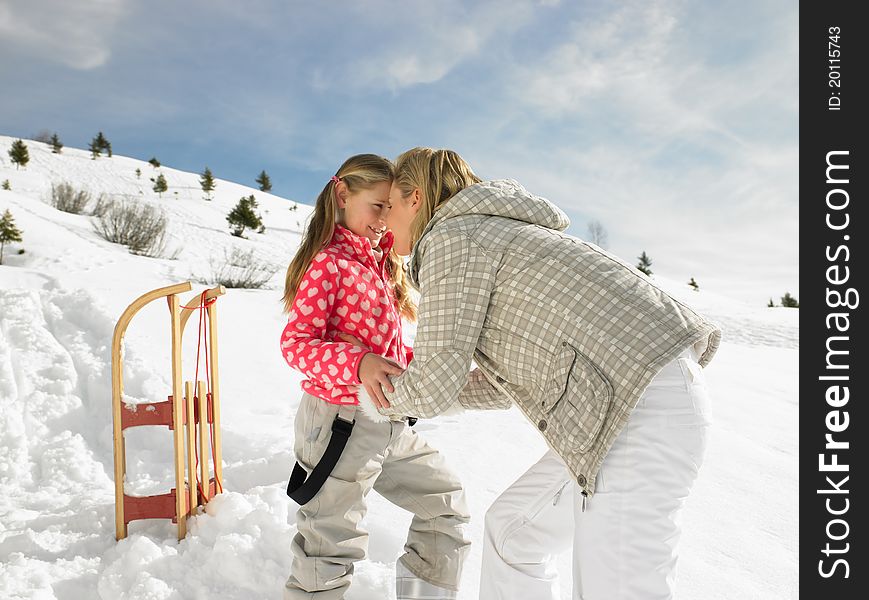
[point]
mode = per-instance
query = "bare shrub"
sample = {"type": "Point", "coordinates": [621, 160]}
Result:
{"type": "Point", "coordinates": [140, 227]}
{"type": "Point", "coordinates": [43, 136]}
{"type": "Point", "coordinates": [241, 269]}
{"type": "Point", "coordinates": [66, 198]}
{"type": "Point", "coordinates": [101, 206]}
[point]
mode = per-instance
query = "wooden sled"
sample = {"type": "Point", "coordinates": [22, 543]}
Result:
{"type": "Point", "coordinates": [175, 413]}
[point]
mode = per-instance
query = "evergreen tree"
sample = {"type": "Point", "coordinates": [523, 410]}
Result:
{"type": "Point", "coordinates": [789, 301]}
{"type": "Point", "coordinates": [771, 303]}
{"type": "Point", "coordinates": [56, 146]}
{"type": "Point", "coordinates": [154, 162]}
{"type": "Point", "coordinates": [95, 148]}
{"type": "Point", "coordinates": [138, 173]}
{"type": "Point", "coordinates": [694, 285]}
{"type": "Point", "coordinates": [6, 185]}
{"type": "Point", "coordinates": [265, 184]}
{"type": "Point", "coordinates": [19, 153]}
{"type": "Point", "coordinates": [8, 232]}
{"type": "Point", "coordinates": [244, 215]}
{"type": "Point", "coordinates": [645, 263]}
{"type": "Point", "coordinates": [103, 143]}
{"type": "Point", "coordinates": [160, 185]}
{"type": "Point", "coordinates": [207, 183]}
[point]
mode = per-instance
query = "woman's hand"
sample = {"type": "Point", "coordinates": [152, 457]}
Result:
{"type": "Point", "coordinates": [374, 372]}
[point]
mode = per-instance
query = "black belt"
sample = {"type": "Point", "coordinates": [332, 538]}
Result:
{"type": "Point", "coordinates": [302, 490]}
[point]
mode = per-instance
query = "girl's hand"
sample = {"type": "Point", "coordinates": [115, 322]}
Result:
{"type": "Point", "coordinates": [374, 372]}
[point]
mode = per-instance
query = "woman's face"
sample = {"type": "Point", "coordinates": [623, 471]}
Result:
{"type": "Point", "coordinates": [401, 215]}
{"type": "Point", "coordinates": [365, 211]}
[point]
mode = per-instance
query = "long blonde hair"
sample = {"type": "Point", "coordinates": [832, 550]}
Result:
{"type": "Point", "coordinates": [438, 174]}
{"type": "Point", "coordinates": [359, 172]}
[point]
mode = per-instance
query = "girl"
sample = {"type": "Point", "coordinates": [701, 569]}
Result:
{"type": "Point", "coordinates": [346, 280]}
{"type": "Point", "coordinates": [605, 365]}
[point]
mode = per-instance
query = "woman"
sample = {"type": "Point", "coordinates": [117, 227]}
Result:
{"type": "Point", "coordinates": [601, 361]}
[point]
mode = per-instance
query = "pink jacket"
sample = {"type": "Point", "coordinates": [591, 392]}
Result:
{"type": "Point", "coordinates": [344, 290]}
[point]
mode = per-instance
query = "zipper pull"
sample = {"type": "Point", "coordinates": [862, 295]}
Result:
{"type": "Point", "coordinates": [558, 495]}
{"type": "Point", "coordinates": [584, 503]}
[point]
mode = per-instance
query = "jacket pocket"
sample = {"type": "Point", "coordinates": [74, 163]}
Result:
{"type": "Point", "coordinates": [577, 396]}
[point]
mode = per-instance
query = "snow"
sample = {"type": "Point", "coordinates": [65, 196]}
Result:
{"type": "Point", "coordinates": [59, 302]}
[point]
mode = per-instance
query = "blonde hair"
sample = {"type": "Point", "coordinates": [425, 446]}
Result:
{"type": "Point", "coordinates": [359, 172]}
{"type": "Point", "coordinates": [438, 174]}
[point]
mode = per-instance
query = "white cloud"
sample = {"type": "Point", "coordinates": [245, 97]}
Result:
{"type": "Point", "coordinates": [422, 42]}
{"type": "Point", "coordinates": [75, 33]}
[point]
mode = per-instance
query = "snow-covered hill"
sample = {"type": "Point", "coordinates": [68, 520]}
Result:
{"type": "Point", "coordinates": [60, 299]}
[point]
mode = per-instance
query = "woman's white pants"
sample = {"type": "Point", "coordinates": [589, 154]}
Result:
{"type": "Point", "coordinates": [625, 542]}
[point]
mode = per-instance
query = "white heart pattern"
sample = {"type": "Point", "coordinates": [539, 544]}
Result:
{"type": "Point", "coordinates": [318, 322]}
{"type": "Point", "coordinates": [305, 309]}
{"type": "Point", "coordinates": [315, 274]}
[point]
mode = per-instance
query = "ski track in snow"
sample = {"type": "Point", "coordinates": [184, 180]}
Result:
{"type": "Point", "coordinates": [58, 306]}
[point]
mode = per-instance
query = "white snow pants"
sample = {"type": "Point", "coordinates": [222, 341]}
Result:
{"type": "Point", "coordinates": [625, 543]}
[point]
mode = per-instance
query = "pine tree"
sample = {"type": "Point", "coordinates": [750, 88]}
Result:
{"type": "Point", "coordinates": [645, 263]}
{"type": "Point", "coordinates": [243, 215]}
{"type": "Point", "coordinates": [154, 162]}
{"type": "Point", "coordinates": [6, 185]}
{"type": "Point", "coordinates": [789, 301]}
{"type": "Point", "coordinates": [694, 285]}
{"type": "Point", "coordinates": [207, 183]}
{"type": "Point", "coordinates": [56, 146]}
{"type": "Point", "coordinates": [138, 173]}
{"type": "Point", "coordinates": [160, 185]}
{"type": "Point", "coordinates": [19, 154]}
{"type": "Point", "coordinates": [95, 148]}
{"type": "Point", "coordinates": [265, 184]}
{"type": "Point", "coordinates": [8, 232]}
{"type": "Point", "coordinates": [771, 304]}
{"type": "Point", "coordinates": [103, 143]}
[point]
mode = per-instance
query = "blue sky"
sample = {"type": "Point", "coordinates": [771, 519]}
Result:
{"type": "Point", "coordinates": [675, 124]}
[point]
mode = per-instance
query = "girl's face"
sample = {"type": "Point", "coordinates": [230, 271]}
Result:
{"type": "Point", "coordinates": [364, 212]}
{"type": "Point", "coordinates": [401, 216]}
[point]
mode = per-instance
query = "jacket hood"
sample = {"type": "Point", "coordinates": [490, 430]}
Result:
{"type": "Point", "coordinates": [502, 198]}
{"type": "Point", "coordinates": [498, 198]}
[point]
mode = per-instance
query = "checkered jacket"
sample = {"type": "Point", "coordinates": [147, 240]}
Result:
{"type": "Point", "coordinates": [567, 332]}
